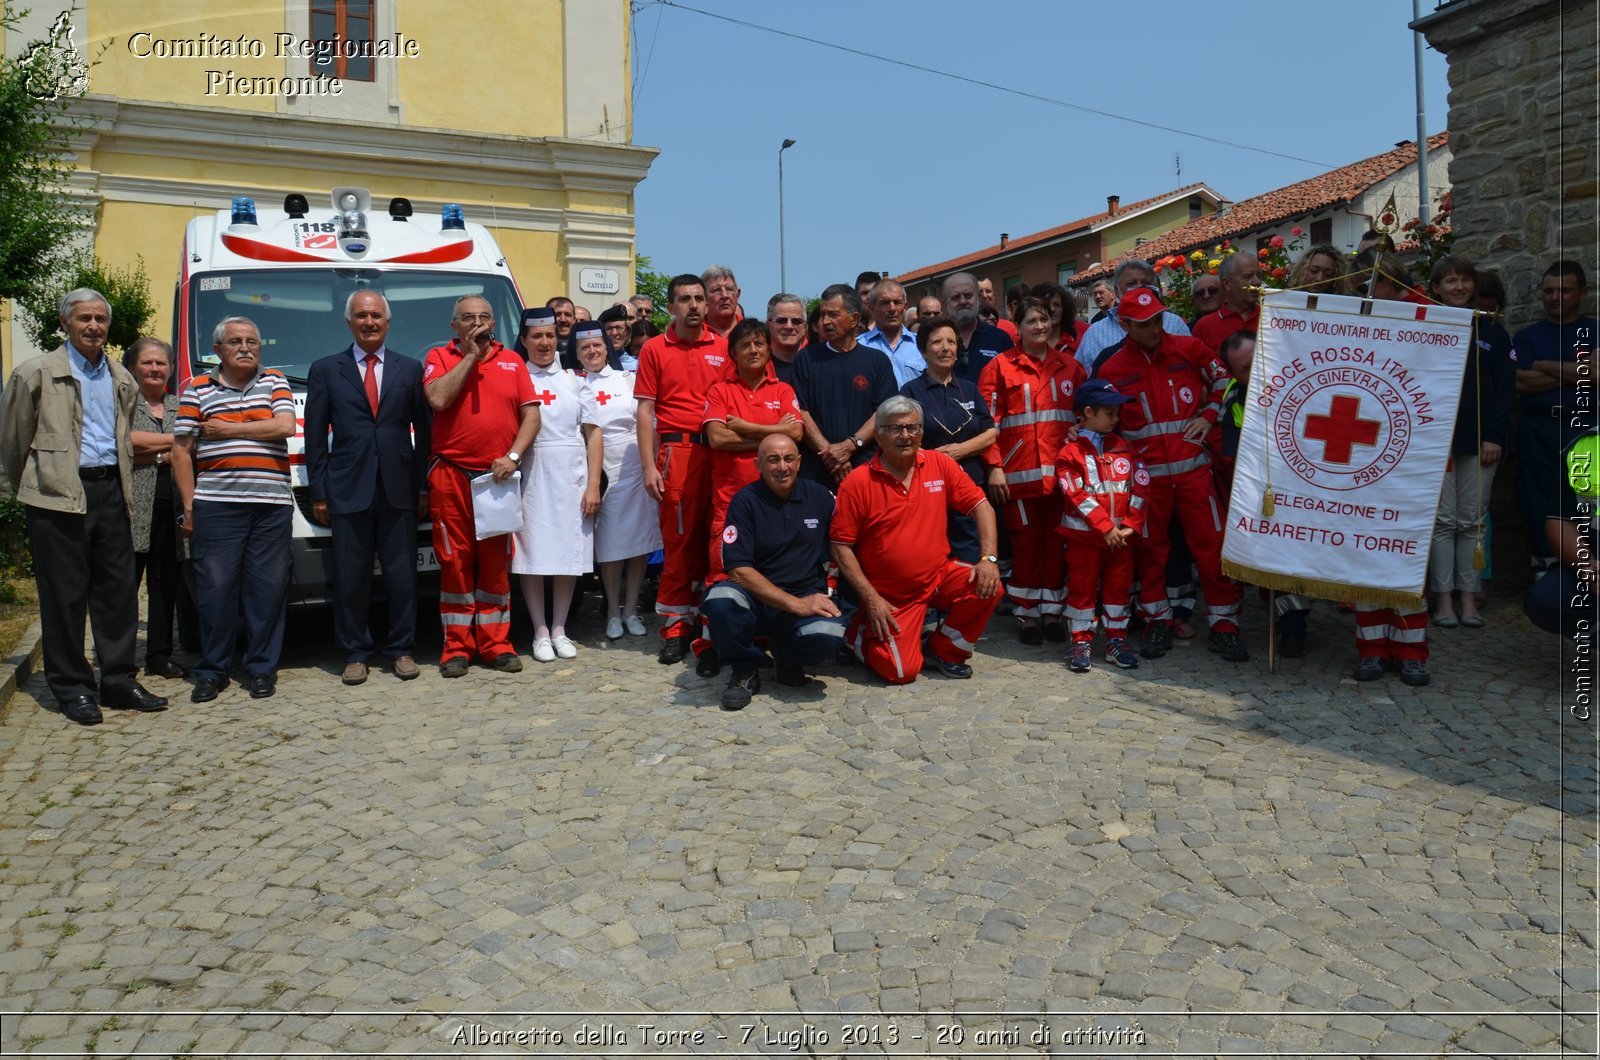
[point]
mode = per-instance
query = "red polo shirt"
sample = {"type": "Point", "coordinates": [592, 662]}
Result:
{"type": "Point", "coordinates": [481, 425]}
{"type": "Point", "coordinates": [731, 398]}
{"type": "Point", "coordinates": [1213, 329]}
{"type": "Point", "coordinates": [677, 374]}
{"type": "Point", "coordinates": [900, 534]}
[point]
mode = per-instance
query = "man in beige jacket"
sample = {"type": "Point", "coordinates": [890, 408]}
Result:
{"type": "Point", "coordinates": [68, 457]}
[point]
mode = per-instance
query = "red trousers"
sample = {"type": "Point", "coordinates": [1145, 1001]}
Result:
{"type": "Point", "coordinates": [474, 576]}
{"type": "Point", "coordinates": [1036, 587]}
{"type": "Point", "coordinates": [1099, 574]}
{"type": "Point", "coordinates": [685, 514]}
{"type": "Point", "coordinates": [898, 659]}
{"type": "Point", "coordinates": [1389, 633]}
{"type": "Point", "coordinates": [1194, 498]}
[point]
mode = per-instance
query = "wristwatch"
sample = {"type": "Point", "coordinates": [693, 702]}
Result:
{"type": "Point", "coordinates": [989, 559]}
{"type": "Point", "coordinates": [859, 443]}
{"type": "Point", "coordinates": [160, 459]}
{"type": "Point", "coordinates": [514, 456]}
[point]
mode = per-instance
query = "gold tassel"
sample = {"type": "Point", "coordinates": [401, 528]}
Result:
{"type": "Point", "coordinates": [1267, 506]}
{"type": "Point", "coordinates": [1478, 562]}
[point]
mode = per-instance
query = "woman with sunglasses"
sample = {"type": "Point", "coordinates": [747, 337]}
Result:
{"type": "Point", "coordinates": [1030, 392]}
{"type": "Point", "coordinates": [955, 419]}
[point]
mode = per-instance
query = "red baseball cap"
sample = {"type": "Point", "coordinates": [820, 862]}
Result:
{"type": "Point", "coordinates": [1141, 303]}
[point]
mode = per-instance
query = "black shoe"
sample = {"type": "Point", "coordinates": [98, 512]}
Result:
{"type": "Point", "coordinates": [1413, 673]}
{"type": "Point", "coordinates": [845, 656]}
{"type": "Point", "coordinates": [954, 671]}
{"type": "Point", "coordinates": [81, 709]}
{"type": "Point", "coordinates": [1291, 647]}
{"type": "Point", "coordinates": [131, 696]}
{"type": "Point", "coordinates": [1369, 668]}
{"type": "Point", "coordinates": [743, 685]}
{"type": "Point", "coordinates": [1157, 640]}
{"type": "Point", "coordinates": [208, 688]}
{"type": "Point", "coordinates": [673, 649]}
{"type": "Point", "coordinates": [787, 671]}
{"type": "Point", "coordinates": [706, 664]}
{"type": "Point", "coordinates": [1055, 632]}
{"type": "Point", "coordinates": [455, 666]}
{"type": "Point", "coordinates": [507, 662]}
{"type": "Point", "coordinates": [1031, 634]}
{"type": "Point", "coordinates": [167, 669]}
{"type": "Point", "coordinates": [1228, 645]}
{"type": "Point", "coordinates": [262, 686]}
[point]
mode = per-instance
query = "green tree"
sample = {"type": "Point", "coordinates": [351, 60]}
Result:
{"type": "Point", "coordinates": [653, 285]}
{"type": "Point", "coordinates": [38, 222]}
{"type": "Point", "coordinates": [127, 291]}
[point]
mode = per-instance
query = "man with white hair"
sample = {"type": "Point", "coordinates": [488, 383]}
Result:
{"type": "Point", "coordinates": [68, 456]}
{"type": "Point", "coordinates": [1106, 333]}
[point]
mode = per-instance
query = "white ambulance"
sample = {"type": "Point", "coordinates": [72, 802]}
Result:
{"type": "Point", "coordinates": [292, 270]}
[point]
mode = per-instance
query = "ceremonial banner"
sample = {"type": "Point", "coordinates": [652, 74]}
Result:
{"type": "Point", "coordinates": [1347, 427]}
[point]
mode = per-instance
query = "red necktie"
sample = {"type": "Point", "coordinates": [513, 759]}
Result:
{"type": "Point", "coordinates": [372, 382]}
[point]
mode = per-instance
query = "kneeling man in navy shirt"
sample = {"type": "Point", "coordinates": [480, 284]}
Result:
{"type": "Point", "coordinates": [775, 552]}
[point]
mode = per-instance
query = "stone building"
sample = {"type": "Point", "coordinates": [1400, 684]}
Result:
{"type": "Point", "coordinates": [1522, 126]}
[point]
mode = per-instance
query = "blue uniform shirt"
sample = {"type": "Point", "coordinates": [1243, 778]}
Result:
{"type": "Point", "coordinates": [987, 340]}
{"type": "Point", "coordinates": [905, 358]}
{"type": "Point", "coordinates": [1545, 341]}
{"type": "Point", "coordinates": [785, 539]}
{"type": "Point", "coordinates": [99, 409]}
{"type": "Point", "coordinates": [951, 414]}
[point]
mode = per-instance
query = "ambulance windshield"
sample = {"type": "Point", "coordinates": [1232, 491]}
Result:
{"type": "Point", "coordinates": [301, 311]}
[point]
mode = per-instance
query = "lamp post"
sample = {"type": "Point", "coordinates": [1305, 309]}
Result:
{"type": "Point", "coordinates": [783, 259]}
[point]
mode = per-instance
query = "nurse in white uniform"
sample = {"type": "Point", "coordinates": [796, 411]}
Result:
{"type": "Point", "coordinates": [626, 531]}
{"type": "Point", "coordinates": [560, 488]}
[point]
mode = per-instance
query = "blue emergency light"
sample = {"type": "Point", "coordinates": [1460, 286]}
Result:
{"type": "Point", "coordinates": [451, 216]}
{"type": "Point", "coordinates": [244, 211]}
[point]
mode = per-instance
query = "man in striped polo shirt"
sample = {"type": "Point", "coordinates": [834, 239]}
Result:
{"type": "Point", "coordinates": [230, 462]}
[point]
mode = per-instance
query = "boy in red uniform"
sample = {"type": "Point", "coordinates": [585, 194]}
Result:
{"type": "Point", "coordinates": [1105, 487]}
{"type": "Point", "coordinates": [485, 415]}
{"type": "Point", "coordinates": [1176, 386]}
{"type": "Point", "coordinates": [676, 370]}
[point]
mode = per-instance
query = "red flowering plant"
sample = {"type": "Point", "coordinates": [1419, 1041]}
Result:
{"type": "Point", "coordinates": [1177, 273]}
{"type": "Point", "coordinates": [1432, 239]}
{"type": "Point", "coordinates": [1277, 258]}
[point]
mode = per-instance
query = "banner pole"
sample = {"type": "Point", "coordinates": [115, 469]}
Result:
{"type": "Point", "coordinates": [1272, 631]}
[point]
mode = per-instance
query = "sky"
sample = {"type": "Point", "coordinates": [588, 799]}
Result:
{"type": "Point", "coordinates": [896, 168]}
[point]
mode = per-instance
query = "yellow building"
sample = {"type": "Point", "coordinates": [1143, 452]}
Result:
{"type": "Point", "coordinates": [518, 109]}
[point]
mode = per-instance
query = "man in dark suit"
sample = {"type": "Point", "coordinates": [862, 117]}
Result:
{"type": "Point", "coordinates": [371, 488]}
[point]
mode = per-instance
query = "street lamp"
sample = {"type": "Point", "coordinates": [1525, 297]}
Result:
{"type": "Point", "coordinates": [783, 260]}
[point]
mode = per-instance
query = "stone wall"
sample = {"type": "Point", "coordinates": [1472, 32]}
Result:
{"type": "Point", "coordinates": [1522, 126]}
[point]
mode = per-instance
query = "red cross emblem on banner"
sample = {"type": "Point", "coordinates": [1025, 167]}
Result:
{"type": "Point", "coordinates": [545, 398]}
{"type": "Point", "coordinates": [602, 397]}
{"type": "Point", "coordinates": [1341, 429]}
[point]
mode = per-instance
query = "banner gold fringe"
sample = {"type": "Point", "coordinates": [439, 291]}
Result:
{"type": "Point", "coordinates": [1323, 590]}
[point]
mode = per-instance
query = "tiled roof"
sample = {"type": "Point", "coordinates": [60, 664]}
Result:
{"type": "Point", "coordinates": [1336, 186]}
{"type": "Point", "coordinates": [1082, 224]}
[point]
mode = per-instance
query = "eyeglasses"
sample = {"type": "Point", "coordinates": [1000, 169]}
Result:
{"type": "Point", "coordinates": [901, 428]}
{"type": "Point", "coordinates": [789, 320]}
{"type": "Point", "coordinates": [237, 342]}
{"type": "Point", "coordinates": [476, 318]}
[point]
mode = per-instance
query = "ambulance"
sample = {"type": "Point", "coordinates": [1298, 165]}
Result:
{"type": "Point", "coordinates": [291, 271]}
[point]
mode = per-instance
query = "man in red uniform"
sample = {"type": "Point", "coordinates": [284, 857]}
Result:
{"type": "Point", "coordinates": [891, 542]}
{"type": "Point", "coordinates": [485, 416]}
{"type": "Point", "coordinates": [1176, 385]}
{"type": "Point", "coordinates": [676, 371]}
{"type": "Point", "coordinates": [1241, 303]}
{"type": "Point", "coordinates": [722, 299]}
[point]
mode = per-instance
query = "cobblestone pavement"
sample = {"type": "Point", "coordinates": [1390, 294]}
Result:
{"type": "Point", "coordinates": [1192, 857]}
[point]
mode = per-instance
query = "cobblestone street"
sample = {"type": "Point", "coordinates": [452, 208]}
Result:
{"type": "Point", "coordinates": [1191, 857]}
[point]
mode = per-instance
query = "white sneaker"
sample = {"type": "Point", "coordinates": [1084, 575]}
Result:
{"type": "Point", "coordinates": [543, 650]}
{"type": "Point", "coordinates": [565, 648]}
{"type": "Point", "coordinates": [635, 625]}
{"type": "Point", "coordinates": [613, 628]}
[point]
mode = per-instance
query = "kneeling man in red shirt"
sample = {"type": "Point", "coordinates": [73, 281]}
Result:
{"type": "Point", "coordinates": [891, 543]}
